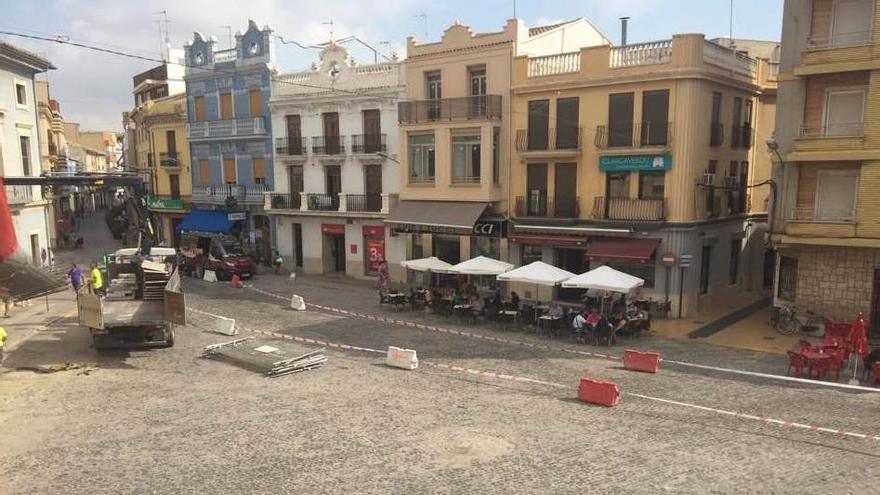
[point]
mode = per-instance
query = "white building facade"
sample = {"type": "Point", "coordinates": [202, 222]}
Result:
{"type": "Point", "coordinates": [20, 148]}
{"type": "Point", "coordinates": [336, 166]}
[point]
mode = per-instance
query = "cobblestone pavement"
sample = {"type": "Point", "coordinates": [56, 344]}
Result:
{"type": "Point", "coordinates": [167, 421]}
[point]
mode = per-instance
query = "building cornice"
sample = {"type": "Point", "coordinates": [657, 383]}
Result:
{"type": "Point", "coordinates": [668, 75]}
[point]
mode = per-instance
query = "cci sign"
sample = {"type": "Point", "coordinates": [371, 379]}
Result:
{"type": "Point", "coordinates": [489, 228]}
{"type": "Point", "coordinates": [623, 163]}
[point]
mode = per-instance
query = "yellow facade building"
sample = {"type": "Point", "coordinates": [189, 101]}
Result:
{"type": "Point", "coordinates": [162, 154]}
{"type": "Point", "coordinates": [626, 155]}
{"type": "Point", "coordinates": [827, 222]}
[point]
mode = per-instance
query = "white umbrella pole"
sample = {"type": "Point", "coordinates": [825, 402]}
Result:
{"type": "Point", "coordinates": [854, 380]}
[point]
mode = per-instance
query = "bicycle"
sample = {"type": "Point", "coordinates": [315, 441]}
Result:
{"type": "Point", "coordinates": [788, 322]}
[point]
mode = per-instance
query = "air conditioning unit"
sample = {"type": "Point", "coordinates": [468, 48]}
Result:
{"type": "Point", "coordinates": [731, 182]}
{"type": "Point", "coordinates": [707, 179]}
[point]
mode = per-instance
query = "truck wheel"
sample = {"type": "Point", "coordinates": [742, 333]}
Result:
{"type": "Point", "coordinates": [169, 337]}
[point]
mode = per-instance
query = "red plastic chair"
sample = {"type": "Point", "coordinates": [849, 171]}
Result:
{"type": "Point", "coordinates": [837, 361]}
{"type": "Point", "coordinates": [797, 362]}
{"type": "Point", "coordinates": [822, 368]}
{"type": "Point", "coordinates": [875, 372]}
{"type": "Point", "coordinates": [805, 346]}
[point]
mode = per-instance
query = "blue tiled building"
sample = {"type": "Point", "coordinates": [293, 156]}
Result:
{"type": "Point", "coordinates": [229, 129]}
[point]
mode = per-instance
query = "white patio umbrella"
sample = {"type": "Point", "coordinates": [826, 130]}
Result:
{"type": "Point", "coordinates": [604, 278]}
{"type": "Point", "coordinates": [481, 265]}
{"type": "Point", "coordinates": [430, 264]}
{"type": "Point", "coordinates": [538, 273]}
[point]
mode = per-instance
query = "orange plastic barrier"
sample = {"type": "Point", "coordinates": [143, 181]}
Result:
{"type": "Point", "coordinates": [596, 392]}
{"type": "Point", "coordinates": [236, 282]}
{"type": "Point", "coordinates": [648, 362]}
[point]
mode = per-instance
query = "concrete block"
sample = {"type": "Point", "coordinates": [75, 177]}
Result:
{"type": "Point", "coordinates": [226, 326]}
{"type": "Point", "coordinates": [297, 303]}
{"type": "Point", "coordinates": [402, 358]}
{"type": "Point", "coordinates": [209, 276]}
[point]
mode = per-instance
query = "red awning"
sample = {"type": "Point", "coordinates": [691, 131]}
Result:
{"type": "Point", "coordinates": [622, 250]}
{"type": "Point", "coordinates": [549, 240]}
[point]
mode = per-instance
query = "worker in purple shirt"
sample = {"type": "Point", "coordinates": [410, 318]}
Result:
{"type": "Point", "coordinates": [75, 275]}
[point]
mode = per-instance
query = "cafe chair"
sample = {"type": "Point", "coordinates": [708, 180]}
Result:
{"type": "Point", "coordinates": [796, 362]}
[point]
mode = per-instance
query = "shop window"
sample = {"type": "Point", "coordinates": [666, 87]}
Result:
{"type": "Point", "coordinates": [788, 274]}
{"type": "Point", "coordinates": [645, 271]}
{"type": "Point", "coordinates": [530, 254]}
{"type": "Point", "coordinates": [447, 248]}
{"type": "Point", "coordinates": [415, 247]}
{"type": "Point", "coordinates": [617, 185]}
{"type": "Point", "coordinates": [485, 246]}
{"type": "Point", "coordinates": [733, 275]}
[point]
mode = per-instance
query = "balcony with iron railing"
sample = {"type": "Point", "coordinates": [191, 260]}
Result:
{"type": "Point", "coordinates": [809, 222]}
{"type": "Point", "coordinates": [646, 134]}
{"type": "Point", "coordinates": [291, 146]}
{"type": "Point", "coordinates": [565, 140]}
{"type": "Point", "coordinates": [321, 204]}
{"type": "Point", "coordinates": [19, 195]}
{"type": "Point", "coordinates": [368, 143]}
{"type": "Point", "coordinates": [166, 202]}
{"type": "Point", "coordinates": [465, 179]}
{"type": "Point", "coordinates": [251, 126]}
{"type": "Point", "coordinates": [450, 109]}
{"type": "Point", "coordinates": [224, 194]}
{"type": "Point", "coordinates": [539, 205]}
{"type": "Point", "coordinates": [169, 159]}
{"type": "Point", "coordinates": [637, 210]}
{"type": "Point", "coordinates": [328, 145]}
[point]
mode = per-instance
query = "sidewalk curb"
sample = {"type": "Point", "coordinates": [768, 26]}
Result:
{"type": "Point", "coordinates": [36, 330]}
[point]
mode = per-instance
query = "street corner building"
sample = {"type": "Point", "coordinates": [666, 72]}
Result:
{"type": "Point", "coordinates": [827, 227]}
{"type": "Point", "coordinates": [20, 149]}
{"type": "Point", "coordinates": [336, 164]}
{"type": "Point", "coordinates": [229, 130]}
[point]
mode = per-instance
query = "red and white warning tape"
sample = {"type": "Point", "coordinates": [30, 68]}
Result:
{"type": "Point", "coordinates": [517, 378]}
{"type": "Point", "coordinates": [502, 340]}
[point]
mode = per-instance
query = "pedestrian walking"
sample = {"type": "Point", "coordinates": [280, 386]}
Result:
{"type": "Point", "coordinates": [96, 280]}
{"type": "Point", "coordinates": [76, 277]}
{"type": "Point", "coordinates": [277, 260]}
{"type": "Point", "coordinates": [382, 275]}
{"type": "Point", "coordinates": [3, 336]}
{"type": "Point", "coordinates": [7, 301]}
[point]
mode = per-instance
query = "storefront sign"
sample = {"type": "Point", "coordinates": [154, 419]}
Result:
{"type": "Point", "coordinates": [375, 253]}
{"type": "Point", "coordinates": [489, 228]}
{"type": "Point", "coordinates": [236, 216]}
{"type": "Point", "coordinates": [333, 228]}
{"type": "Point", "coordinates": [614, 163]}
{"type": "Point", "coordinates": [354, 248]}
{"type": "Point", "coordinates": [414, 228]}
{"type": "Point", "coordinates": [374, 230]}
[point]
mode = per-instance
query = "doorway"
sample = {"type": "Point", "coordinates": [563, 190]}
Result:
{"type": "Point", "coordinates": [298, 245]}
{"type": "Point", "coordinates": [174, 183]}
{"type": "Point", "coordinates": [336, 242]}
{"type": "Point", "coordinates": [36, 257]}
{"type": "Point", "coordinates": [875, 304]}
{"type": "Point", "coordinates": [447, 248]}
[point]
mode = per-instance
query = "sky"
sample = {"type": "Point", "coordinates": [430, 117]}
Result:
{"type": "Point", "coordinates": [95, 88]}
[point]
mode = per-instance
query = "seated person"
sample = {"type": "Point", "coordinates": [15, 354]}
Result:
{"type": "Point", "coordinates": [579, 323]}
{"type": "Point", "coordinates": [632, 311]}
{"type": "Point", "coordinates": [478, 306]}
{"type": "Point", "coordinates": [556, 310]}
{"type": "Point", "coordinates": [593, 318]}
{"type": "Point", "coordinates": [514, 300]}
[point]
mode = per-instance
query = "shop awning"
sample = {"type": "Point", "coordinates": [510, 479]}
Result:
{"type": "Point", "coordinates": [456, 217]}
{"type": "Point", "coordinates": [622, 250]}
{"type": "Point", "coordinates": [567, 241]}
{"type": "Point", "coordinates": [206, 221]}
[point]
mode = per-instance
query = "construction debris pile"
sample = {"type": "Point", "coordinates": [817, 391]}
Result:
{"type": "Point", "coordinates": [265, 358]}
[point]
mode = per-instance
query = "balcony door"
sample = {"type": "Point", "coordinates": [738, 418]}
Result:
{"type": "Point", "coordinates": [567, 123]}
{"type": "Point", "coordinates": [333, 178]}
{"type": "Point", "coordinates": [536, 190]}
{"type": "Point", "coordinates": [565, 199]}
{"type": "Point", "coordinates": [851, 22]}
{"type": "Point", "coordinates": [373, 187]}
{"type": "Point", "coordinates": [655, 116]}
{"type": "Point", "coordinates": [294, 135]}
{"type": "Point", "coordinates": [539, 121]}
{"type": "Point", "coordinates": [295, 183]}
{"type": "Point", "coordinates": [171, 144]}
{"type": "Point", "coordinates": [434, 92]}
{"type": "Point", "coordinates": [372, 130]}
{"type": "Point", "coordinates": [620, 120]}
{"type": "Point", "coordinates": [477, 90]}
{"type": "Point", "coordinates": [836, 194]}
{"type": "Point", "coordinates": [225, 106]}
{"type": "Point", "coordinates": [174, 185]}
{"type": "Point", "coordinates": [844, 112]}
{"type": "Point", "coordinates": [331, 133]}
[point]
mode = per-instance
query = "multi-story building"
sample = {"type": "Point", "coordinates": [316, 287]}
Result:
{"type": "Point", "coordinates": [455, 134]}
{"type": "Point", "coordinates": [826, 227]}
{"type": "Point", "coordinates": [626, 155]}
{"type": "Point", "coordinates": [20, 147]}
{"type": "Point", "coordinates": [162, 148]}
{"type": "Point", "coordinates": [53, 157]}
{"type": "Point", "coordinates": [229, 130]}
{"type": "Point", "coordinates": [336, 169]}
{"type": "Point", "coordinates": [89, 151]}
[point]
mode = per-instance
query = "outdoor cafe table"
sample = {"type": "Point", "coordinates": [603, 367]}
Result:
{"type": "Point", "coordinates": [813, 357]}
{"type": "Point", "coordinates": [508, 315]}
{"type": "Point", "coordinates": [550, 322]}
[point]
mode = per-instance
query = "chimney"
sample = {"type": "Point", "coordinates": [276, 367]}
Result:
{"type": "Point", "coordinates": [623, 21]}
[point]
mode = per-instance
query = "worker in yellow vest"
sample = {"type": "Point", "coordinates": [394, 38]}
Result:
{"type": "Point", "coordinates": [96, 279]}
{"type": "Point", "coordinates": [2, 346]}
